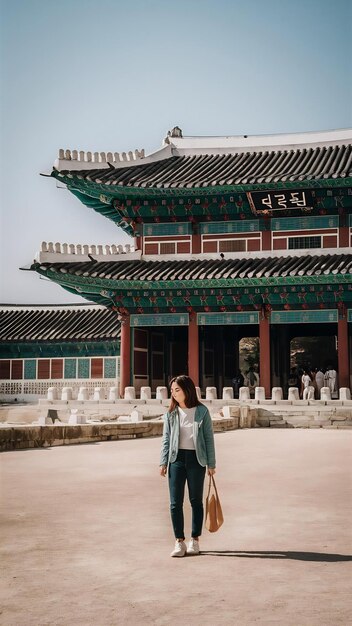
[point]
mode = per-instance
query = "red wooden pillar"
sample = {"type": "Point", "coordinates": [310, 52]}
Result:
{"type": "Point", "coordinates": [125, 355]}
{"type": "Point", "coordinates": [264, 340]}
{"type": "Point", "coordinates": [342, 353]}
{"type": "Point", "coordinates": [193, 350]}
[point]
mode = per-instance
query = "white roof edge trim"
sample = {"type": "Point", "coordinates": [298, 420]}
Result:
{"type": "Point", "coordinates": [49, 307]}
{"type": "Point", "coordinates": [227, 144]}
{"type": "Point", "coordinates": [74, 165]}
{"type": "Point", "coordinates": [252, 143]}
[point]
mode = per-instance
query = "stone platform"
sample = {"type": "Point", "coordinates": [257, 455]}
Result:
{"type": "Point", "coordinates": [86, 535]}
{"type": "Point", "coordinates": [104, 421]}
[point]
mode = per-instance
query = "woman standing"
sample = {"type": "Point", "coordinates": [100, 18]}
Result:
{"type": "Point", "coordinates": [187, 448]}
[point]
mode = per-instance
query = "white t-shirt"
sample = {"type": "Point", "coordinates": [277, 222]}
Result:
{"type": "Point", "coordinates": [306, 380]}
{"type": "Point", "coordinates": [186, 428]}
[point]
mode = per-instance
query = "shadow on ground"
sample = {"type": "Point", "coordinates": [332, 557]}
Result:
{"type": "Point", "coordinates": [297, 556]}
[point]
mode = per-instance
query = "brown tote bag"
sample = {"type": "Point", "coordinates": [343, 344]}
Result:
{"type": "Point", "coordinates": [213, 511]}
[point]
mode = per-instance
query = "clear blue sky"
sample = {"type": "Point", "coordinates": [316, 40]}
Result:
{"type": "Point", "coordinates": [115, 75]}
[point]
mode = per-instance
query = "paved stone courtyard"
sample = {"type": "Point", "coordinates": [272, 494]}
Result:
{"type": "Point", "coordinates": [86, 535]}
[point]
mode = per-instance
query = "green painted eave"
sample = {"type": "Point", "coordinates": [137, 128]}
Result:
{"type": "Point", "coordinates": [128, 207]}
{"type": "Point", "coordinates": [96, 284]}
{"type": "Point", "coordinates": [74, 182]}
{"type": "Point", "coordinates": [51, 349]}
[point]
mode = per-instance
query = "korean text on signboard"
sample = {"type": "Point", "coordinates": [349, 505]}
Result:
{"type": "Point", "coordinates": [280, 200]}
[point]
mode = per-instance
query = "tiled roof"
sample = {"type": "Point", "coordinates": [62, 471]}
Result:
{"type": "Point", "coordinates": [58, 323]}
{"type": "Point", "coordinates": [203, 170]}
{"type": "Point", "coordinates": [243, 268]}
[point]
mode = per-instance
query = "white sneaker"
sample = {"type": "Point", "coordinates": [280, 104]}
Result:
{"type": "Point", "coordinates": [193, 547]}
{"type": "Point", "coordinates": [179, 549]}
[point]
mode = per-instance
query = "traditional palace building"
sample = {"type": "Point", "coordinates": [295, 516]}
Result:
{"type": "Point", "coordinates": [232, 237]}
{"type": "Point", "coordinates": [46, 346]}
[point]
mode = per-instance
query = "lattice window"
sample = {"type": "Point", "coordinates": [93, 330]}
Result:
{"type": "Point", "coordinates": [304, 223]}
{"type": "Point", "coordinates": [83, 368]}
{"type": "Point", "coordinates": [110, 368]}
{"type": "Point", "coordinates": [40, 387]}
{"type": "Point", "coordinates": [70, 368]}
{"type": "Point", "coordinates": [297, 243]}
{"type": "Point", "coordinates": [247, 226]}
{"type": "Point", "coordinates": [150, 230]}
{"type": "Point", "coordinates": [233, 245]}
{"type": "Point", "coordinates": [30, 369]}
{"type": "Point", "coordinates": [167, 248]}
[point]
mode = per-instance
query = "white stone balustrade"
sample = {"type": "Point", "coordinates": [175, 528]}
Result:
{"type": "Point", "coordinates": [100, 157]}
{"type": "Point", "coordinates": [146, 393]}
{"type": "Point", "coordinates": [66, 394]}
{"type": "Point", "coordinates": [211, 393]}
{"type": "Point", "coordinates": [113, 394]}
{"type": "Point", "coordinates": [293, 394]}
{"type": "Point", "coordinates": [308, 393]}
{"type": "Point", "coordinates": [243, 394]}
{"type": "Point", "coordinates": [276, 394]}
{"type": "Point", "coordinates": [161, 393]}
{"type": "Point", "coordinates": [136, 415]}
{"type": "Point", "coordinates": [130, 393]}
{"type": "Point", "coordinates": [52, 393]}
{"type": "Point", "coordinates": [83, 394]}
{"type": "Point", "coordinates": [259, 393]}
{"type": "Point", "coordinates": [98, 394]}
{"type": "Point", "coordinates": [227, 393]}
{"type": "Point", "coordinates": [85, 249]}
{"type": "Point", "coordinates": [199, 393]}
{"type": "Point", "coordinates": [76, 418]}
{"type": "Point", "coordinates": [325, 393]}
{"type": "Point", "coordinates": [344, 393]}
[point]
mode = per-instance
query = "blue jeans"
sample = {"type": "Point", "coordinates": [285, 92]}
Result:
{"type": "Point", "coordinates": [186, 468]}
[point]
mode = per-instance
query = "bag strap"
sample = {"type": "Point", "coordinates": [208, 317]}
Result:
{"type": "Point", "coordinates": [212, 482]}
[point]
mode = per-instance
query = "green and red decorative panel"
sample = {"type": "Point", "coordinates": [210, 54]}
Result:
{"type": "Point", "coordinates": [130, 207]}
{"type": "Point", "coordinates": [212, 295]}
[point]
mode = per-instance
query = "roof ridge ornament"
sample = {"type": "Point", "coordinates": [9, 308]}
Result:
{"type": "Point", "coordinates": [175, 132]}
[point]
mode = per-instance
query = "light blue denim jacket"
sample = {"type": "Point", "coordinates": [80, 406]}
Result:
{"type": "Point", "coordinates": [203, 437]}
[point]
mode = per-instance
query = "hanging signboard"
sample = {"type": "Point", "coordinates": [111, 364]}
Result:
{"type": "Point", "coordinates": [280, 200]}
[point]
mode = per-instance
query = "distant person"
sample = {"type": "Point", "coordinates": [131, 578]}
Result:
{"type": "Point", "coordinates": [312, 374]}
{"type": "Point", "coordinates": [331, 380]}
{"type": "Point", "coordinates": [237, 382]}
{"type": "Point", "coordinates": [252, 380]}
{"type": "Point", "coordinates": [306, 383]}
{"type": "Point", "coordinates": [319, 380]}
{"type": "Point", "coordinates": [326, 378]}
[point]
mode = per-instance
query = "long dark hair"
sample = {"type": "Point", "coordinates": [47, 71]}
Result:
{"type": "Point", "coordinates": [187, 385]}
